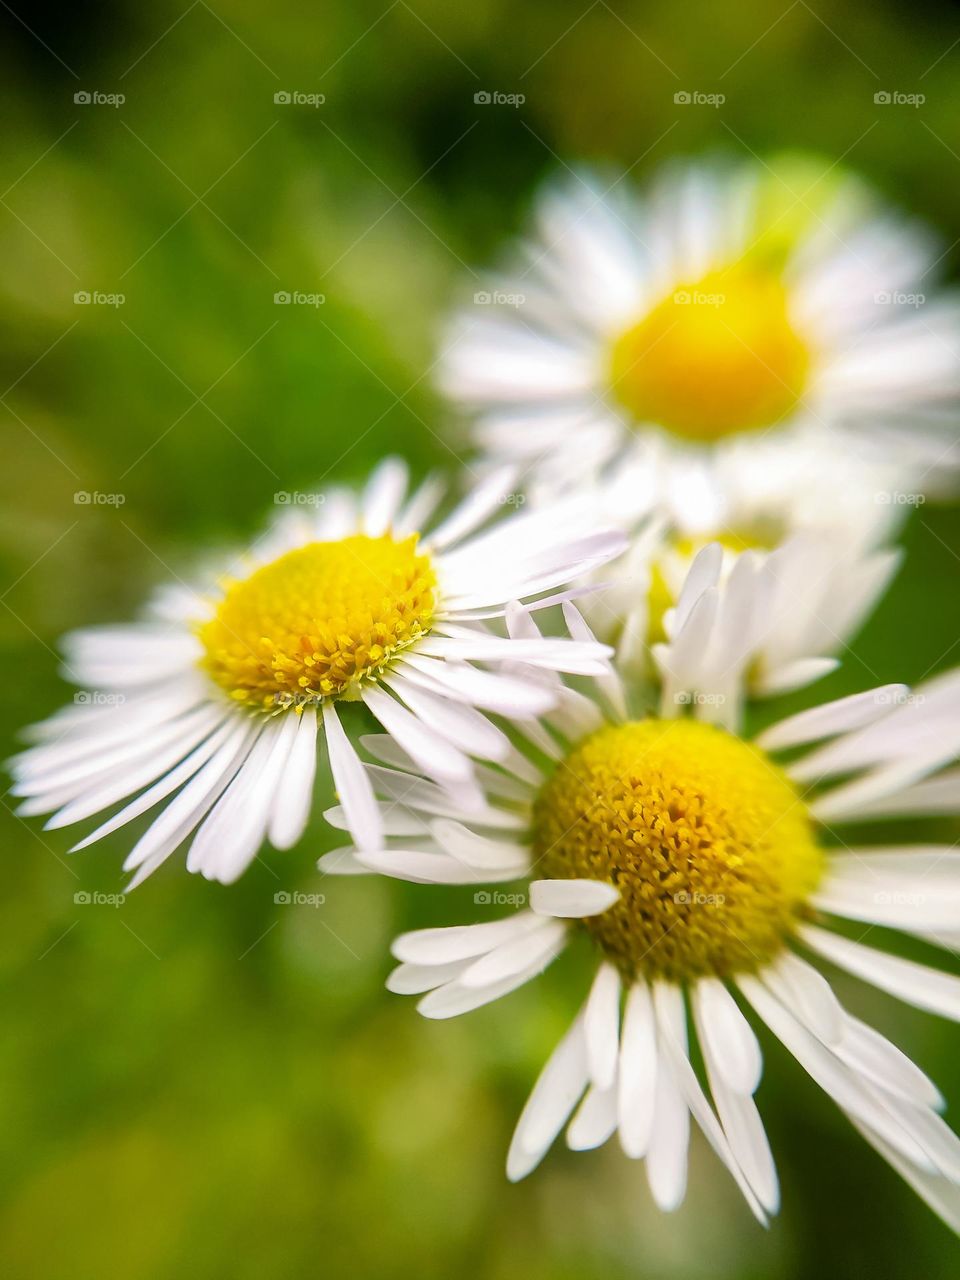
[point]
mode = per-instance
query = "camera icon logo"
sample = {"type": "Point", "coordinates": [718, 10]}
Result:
{"type": "Point", "coordinates": [682, 98]}
{"type": "Point", "coordinates": [282, 298]}
{"type": "Point", "coordinates": [482, 299]}
{"type": "Point", "coordinates": [82, 898]}
{"type": "Point", "coordinates": [482, 98]}
{"type": "Point", "coordinates": [282, 898]}
{"type": "Point", "coordinates": [881, 98]}
{"type": "Point", "coordinates": [82, 98]}
{"type": "Point", "coordinates": [282, 97]}
{"type": "Point", "coordinates": [82, 298]}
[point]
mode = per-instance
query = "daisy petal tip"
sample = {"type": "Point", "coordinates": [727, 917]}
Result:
{"type": "Point", "coordinates": [572, 899]}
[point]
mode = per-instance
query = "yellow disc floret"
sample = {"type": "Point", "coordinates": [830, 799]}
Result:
{"type": "Point", "coordinates": [714, 357]}
{"type": "Point", "coordinates": [709, 843]}
{"type": "Point", "coordinates": [319, 620]}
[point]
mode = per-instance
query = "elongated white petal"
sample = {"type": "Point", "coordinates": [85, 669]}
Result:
{"type": "Point", "coordinates": [480, 852]}
{"type": "Point", "coordinates": [601, 1024]}
{"type": "Point", "coordinates": [916, 984]}
{"type": "Point", "coordinates": [555, 1094]}
{"type": "Point", "coordinates": [808, 995]}
{"type": "Point", "coordinates": [461, 942]}
{"type": "Point", "coordinates": [352, 783]}
{"type": "Point", "coordinates": [423, 867]}
{"type": "Point", "coordinates": [291, 807]}
{"type": "Point", "coordinates": [436, 756]}
{"type": "Point", "coordinates": [452, 999]}
{"type": "Point", "coordinates": [637, 1077]}
{"type": "Point", "coordinates": [831, 718]}
{"type": "Point", "coordinates": [574, 899]}
{"type": "Point", "coordinates": [727, 1036]}
{"type": "Point", "coordinates": [670, 1135]}
{"type": "Point", "coordinates": [516, 955]}
{"type": "Point", "coordinates": [413, 979]}
{"type": "Point", "coordinates": [595, 1120]}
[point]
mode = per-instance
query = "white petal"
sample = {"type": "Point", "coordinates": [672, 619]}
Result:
{"type": "Point", "coordinates": [808, 996]}
{"type": "Point", "coordinates": [383, 496]}
{"type": "Point", "coordinates": [461, 942]}
{"type": "Point", "coordinates": [413, 979]}
{"type": "Point", "coordinates": [917, 984]}
{"type": "Point", "coordinates": [554, 1096]}
{"type": "Point", "coordinates": [831, 718]}
{"type": "Point", "coordinates": [482, 853]}
{"type": "Point", "coordinates": [535, 946]}
{"type": "Point", "coordinates": [436, 756]}
{"type": "Point", "coordinates": [451, 1000]}
{"type": "Point", "coordinates": [670, 1136]}
{"type": "Point", "coordinates": [637, 1076]}
{"type": "Point", "coordinates": [352, 783]}
{"type": "Point", "coordinates": [602, 1027]}
{"type": "Point", "coordinates": [291, 808]}
{"type": "Point", "coordinates": [573, 899]}
{"type": "Point", "coordinates": [595, 1120]}
{"type": "Point", "coordinates": [727, 1036]}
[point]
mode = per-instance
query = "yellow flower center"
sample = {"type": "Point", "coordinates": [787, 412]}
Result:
{"type": "Point", "coordinates": [709, 843]}
{"type": "Point", "coordinates": [715, 357]}
{"type": "Point", "coordinates": [319, 620]}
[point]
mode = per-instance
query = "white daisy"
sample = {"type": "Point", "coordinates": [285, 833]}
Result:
{"type": "Point", "coordinates": [710, 880]}
{"type": "Point", "coordinates": [727, 309]}
{"type": "Point", "coordinates": [211, 706]}
{"type": "Point", "coordinates": [790, 608]}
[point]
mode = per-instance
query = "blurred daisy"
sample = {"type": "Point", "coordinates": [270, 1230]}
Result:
{"type": "Point", "coordinates": [211, 707]}
{"type": "Point", "coordinates": [697, 864]}
{"type": "Point", "coordinates": [797, 597]}
{"type": "Point", "coordinates": [725, 306]}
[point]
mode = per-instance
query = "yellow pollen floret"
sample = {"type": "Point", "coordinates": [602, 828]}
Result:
{"type": "Point", "coordinates": [714, 357]}
{"type": "Point", "coordinates": [319, 620]}
{"type": "Point", "coordinates": [708, 842]}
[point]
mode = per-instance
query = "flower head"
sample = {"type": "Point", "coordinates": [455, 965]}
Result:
{"type": "Point", "coordinates": [723, 310]}
{"type": "Point", "coordinates": [704, 869]}
{"type": "Point", "coordinates": [211, 707]}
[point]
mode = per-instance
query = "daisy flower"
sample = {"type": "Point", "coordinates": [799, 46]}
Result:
{"type": "Point", "coordinates": [725, 308]}
{"type": "Point", "coordinates": [799, 595]}
{"type": "Point", "coordinates": [704, 869]}
{"type": "Point", "coordinates": [212, 705]}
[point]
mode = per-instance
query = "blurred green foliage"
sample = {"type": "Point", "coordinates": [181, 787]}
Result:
{"type": "Point", "coordinates": [202, 1082]}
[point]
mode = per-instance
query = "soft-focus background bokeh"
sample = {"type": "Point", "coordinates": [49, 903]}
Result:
{"type": "Point", "coordinates": [207, 1082]}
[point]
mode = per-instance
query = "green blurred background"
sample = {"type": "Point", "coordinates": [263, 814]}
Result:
{"type": "Point", "coordinates": [202, 1082]}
